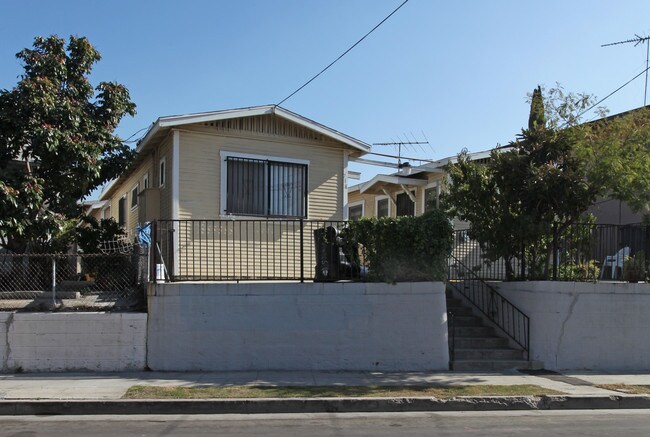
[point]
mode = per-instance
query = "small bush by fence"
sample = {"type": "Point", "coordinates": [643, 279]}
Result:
{"type": "Point", "coordinates": [583, 252]}
{"type": "Point", "coordinates": [80, 282]}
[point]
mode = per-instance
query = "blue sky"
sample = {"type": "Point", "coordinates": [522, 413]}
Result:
{"type": "Point", "coordinates": [456, 72]}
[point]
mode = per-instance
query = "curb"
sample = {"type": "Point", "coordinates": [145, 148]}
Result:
{"type": "Point", "coordinates": [319, 405]}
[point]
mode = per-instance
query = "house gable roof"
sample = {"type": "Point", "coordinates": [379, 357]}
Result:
{"type": "Point", "coordinates": [163, 124]}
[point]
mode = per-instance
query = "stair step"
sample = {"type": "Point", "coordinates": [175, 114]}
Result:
{"type": "Point", "coordinates": [480, 342]}
{"type": "Point", "coordinates": [473, 331]}
{"type": "Point", "coordinates": [491, 365]}
{"type": "Point", "coordinates": [467, 321]}
{"type": "Point", "coordinates": [488, 354]}
{"type": "Point", "coordinates": [459, 310]}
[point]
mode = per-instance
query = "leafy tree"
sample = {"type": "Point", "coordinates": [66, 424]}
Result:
{"type": "Point", "coordinates": [57, 141]}
{"type": "Point", "coordinates": [550, 176]}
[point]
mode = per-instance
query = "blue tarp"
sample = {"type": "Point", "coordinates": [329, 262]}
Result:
{"type": "Point", "coordinates": [144, 234]}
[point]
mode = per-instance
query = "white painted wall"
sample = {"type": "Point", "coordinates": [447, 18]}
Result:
{"type": "Point", "coordinates": [603, 326]}
{"type": "Point", "coordinates": [37, 342]}
{"type": "Point", "coordinates": [291, 326]}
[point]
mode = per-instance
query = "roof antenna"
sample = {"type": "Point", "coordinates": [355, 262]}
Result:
{"type": "Point", "coordinates": [399, 145]}
{"type": "Point", "coordinates": [638, 40]}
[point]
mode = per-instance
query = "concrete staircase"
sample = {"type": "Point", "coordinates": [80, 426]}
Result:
{"type": "Point", "coordinates": [477, 346]}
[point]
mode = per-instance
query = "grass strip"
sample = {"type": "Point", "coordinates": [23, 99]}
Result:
{"type": "Point", "coordinates": [628, 389]}
{"type": "Point", "coordinates": [247, 392]}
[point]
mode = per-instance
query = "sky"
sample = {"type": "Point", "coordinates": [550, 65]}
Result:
{"type": "Point", "coordinates": [453, 73]}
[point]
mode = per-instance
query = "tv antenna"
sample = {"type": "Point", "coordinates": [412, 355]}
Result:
{"type": "Point", "coordinates": [399, 145]}
{"type": "Point", "coordinates": [638, 40]}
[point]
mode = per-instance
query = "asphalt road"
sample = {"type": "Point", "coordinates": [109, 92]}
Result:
{"type": "Point", "coordinates": [626, 423]}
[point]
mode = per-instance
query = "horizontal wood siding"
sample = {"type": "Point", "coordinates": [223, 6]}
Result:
{"type": "Point", "coordinates": [136, 176]}
{"type": "Point", "coordinates": [200, 170]}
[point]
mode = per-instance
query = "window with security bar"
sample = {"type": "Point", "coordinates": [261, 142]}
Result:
{"type": "Point", "coordinates": [259, 187]}
{"type": "Point", "coordinates": [405, 205]}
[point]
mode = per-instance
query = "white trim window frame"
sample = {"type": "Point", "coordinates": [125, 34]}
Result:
{"type": "Point", "coordinates": [353, 205]}
{"type": "Point", "coordinates": [435, 185]}
{"type": "Point", "coordinates": [277, 179]}
{"type": "Point", "coordinates": [134, 198]}
{"type": "Point", "coordinates": [382, 198]}
{"type": "Point", "coordinates": [162, 169]}
{"type": "Point", "coordinates": [121, 211]}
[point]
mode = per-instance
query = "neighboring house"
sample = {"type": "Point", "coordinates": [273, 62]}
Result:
{"type": "Point", "coordinates": [409, 191]}
{"type": "Point", "coordinates": [96, 209]}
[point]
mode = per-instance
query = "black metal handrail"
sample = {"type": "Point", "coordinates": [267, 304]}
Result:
{"type": "Point", "coordinates": [499, 310]}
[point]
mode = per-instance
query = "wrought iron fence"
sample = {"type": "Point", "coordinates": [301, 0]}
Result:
{"type": "Point", "coordinates": [582, 252]}
{"type": "Point", "coordinates": [494, 306]}
{"type": "Point", "coordinates": [234, 250]}
{"type": "Point", "coordinates": [81, 282]}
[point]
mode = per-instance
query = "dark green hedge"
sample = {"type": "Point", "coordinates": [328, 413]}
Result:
{"type": "Point", "coordinates": [403, 249]}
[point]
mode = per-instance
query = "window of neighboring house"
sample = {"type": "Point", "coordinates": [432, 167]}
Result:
{"type": "Point", "coordinates": [382, 207]}
{"type": "Point", "coordinates": [430, 198]}
{"type": "Point", "coordinates": [405, 205]}
{"type": "Point", "coordinates": [145, 181]}
{"type": "Point", "coordinates": [121, 211]}
{"type": "Point", "coordinates": [161, 173]}
{"type": "Point", "coordinates": [355, 211]}
{"type": "Point", "coordinates": [134, 196]}
{"type": "Point", "coordinates": [261, 187]}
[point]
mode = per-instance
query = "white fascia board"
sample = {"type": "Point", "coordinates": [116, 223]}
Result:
{"type": "Point", "coordinates": [179, 120]}
{"type": "Point", "coordinates": [107, 188]}
{"type": "Point", "coordinates": [394, 180]}
{"type": "Point", "coordinates": [354, 188]}
{"type": "Point", "coordinates": [298, 119]}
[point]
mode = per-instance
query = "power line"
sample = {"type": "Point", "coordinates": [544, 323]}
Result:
{"type": "Point", "coordinates": [344, 53]}
{"type": "Point", "coordinates": [638, 40]}
{"type": "Point", "coordinates": [134, 134]}
{"type": "Point", "coordinates": [608, 96]}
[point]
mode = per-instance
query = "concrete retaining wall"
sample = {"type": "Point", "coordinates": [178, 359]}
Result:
{"type": "Point", "coordinates": [290, 326]}
{"type": "Point", "coordinates": [604, 326]}
{"type": "Point", "coordinates": [35, 342]}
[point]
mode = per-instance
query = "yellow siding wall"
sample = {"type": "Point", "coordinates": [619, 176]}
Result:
{"type": "Point", "coordinates": [200, 170]}
{"type": "Point", "coordinates": [165, 151]}
{"type": "Point", "coordinates": [369, 199]}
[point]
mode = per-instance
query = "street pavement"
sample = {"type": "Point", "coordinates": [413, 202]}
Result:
{"type": "Point", "coordinates": [112, 386]}
{"type": "Point", "coordinates": [629, 423]}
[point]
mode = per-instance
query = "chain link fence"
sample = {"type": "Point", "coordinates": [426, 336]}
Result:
{"type": "Point", "coordinates": [91, 282]}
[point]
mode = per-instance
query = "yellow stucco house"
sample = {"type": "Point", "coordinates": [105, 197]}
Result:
{"type": "Point", "coordinates": [198, 174]}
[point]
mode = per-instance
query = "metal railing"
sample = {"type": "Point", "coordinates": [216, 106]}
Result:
{"type": "Point", "coordinates": [499, 310]}
{"type": "Point", "coordinates": [582, 252]}
{"type": "Point", "coordinates": [80, 282]}
{"type": "Point", "coordinates": [246, 250]}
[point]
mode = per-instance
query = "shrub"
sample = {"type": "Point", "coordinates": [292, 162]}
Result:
{"type": "Point", "coordinates": [404, 248]}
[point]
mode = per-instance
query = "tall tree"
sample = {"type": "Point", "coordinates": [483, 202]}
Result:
{"type": "Point", "coordinates": [537, 118]}
{"type": "Point", "coordinates": [550, 176]}
{"type": "Point", "coordinates": [57, 141]}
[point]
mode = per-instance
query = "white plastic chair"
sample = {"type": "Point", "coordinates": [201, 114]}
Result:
{"type": "Point", "coordinates": [615, 261]}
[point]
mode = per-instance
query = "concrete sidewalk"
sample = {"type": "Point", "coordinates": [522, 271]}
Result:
{"type": "Point", "coordinates": [112, 386]}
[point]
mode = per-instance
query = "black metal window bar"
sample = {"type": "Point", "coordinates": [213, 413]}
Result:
{"type": "Point", "coordinates": [258, 187]}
